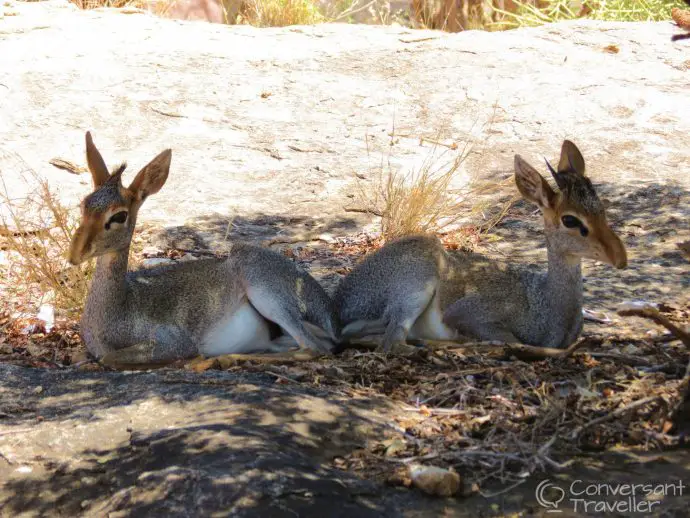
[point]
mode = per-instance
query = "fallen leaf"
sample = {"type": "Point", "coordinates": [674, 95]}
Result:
{"type": "Point", "coordinates": [612, 49]}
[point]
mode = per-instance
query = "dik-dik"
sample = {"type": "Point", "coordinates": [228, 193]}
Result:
{"type": "Point", "coordinates": [210, 306]}
{"type": "Point", "coordinates": [413, 288]}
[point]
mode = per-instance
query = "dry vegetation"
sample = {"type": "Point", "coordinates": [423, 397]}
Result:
{"type": "Point", "coordinates": [417, 200]}
{"type": "Point", "coordinates": [436, 196]}
{"type": "Point", "coordinates": [448, 15]}
{"type": "Point", "coordinates": [35, 234]}
{"type": "Point", "coordinates": [279, 13]}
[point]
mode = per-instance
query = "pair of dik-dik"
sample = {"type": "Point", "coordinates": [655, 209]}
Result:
{"type": "Point", "coordinates": [258, 300]}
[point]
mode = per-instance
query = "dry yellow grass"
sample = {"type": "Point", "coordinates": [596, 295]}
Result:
{"type": "Point", "coordinates": [280, 13]}
{"type": "Point", "coordinates": [95, 4]}
{"type": "Point", "coordinates": [417, 200]}
{"type": "Point", "coordinates": [433, 197]}
{"type": "Point", "coordinates": [35, 233]}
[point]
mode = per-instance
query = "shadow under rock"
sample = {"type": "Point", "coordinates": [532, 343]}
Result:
{"type": "Point", "coordinates": [650, 218]}
{"type": "Point", "coordinates": [182, 444]}
{"type": "Point", "coordinates": [213, 233]}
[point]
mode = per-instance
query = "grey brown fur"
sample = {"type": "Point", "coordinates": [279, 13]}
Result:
{"type": "Point", "coordinates": [411, 284]}
{"type": "Point", "coordinates": [211, 306]}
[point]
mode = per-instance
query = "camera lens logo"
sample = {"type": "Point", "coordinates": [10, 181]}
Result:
{"type": "Point", "coordinates": [549, 495]}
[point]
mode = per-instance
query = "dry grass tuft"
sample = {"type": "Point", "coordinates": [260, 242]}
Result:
{"type": "Point", "coordinates": [425, 199]}
{"type": "Point", "coordinates": [95, 4]}
{"type": "Point", "coordinates": [280, 13]}
{"type": "Point", "coordinates": [419, 201]}
{"type": "Point", "coordinates": [35, 235]}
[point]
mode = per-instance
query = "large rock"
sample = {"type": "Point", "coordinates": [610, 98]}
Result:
{"type": "Point", "coordinates": [278, 121]}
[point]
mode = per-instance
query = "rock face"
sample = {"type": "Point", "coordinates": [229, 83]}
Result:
{"type": "Point", "coordinates": [277, 122]}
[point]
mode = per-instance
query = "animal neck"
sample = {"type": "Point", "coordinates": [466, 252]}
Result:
{"type": "Point", "coordinates": [108, 286]}
{"type": "Point", "coordinates": [564, 279]}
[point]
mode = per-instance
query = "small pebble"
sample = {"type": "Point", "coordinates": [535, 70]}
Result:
{"type": "Point", "coordinates": [435, 481]}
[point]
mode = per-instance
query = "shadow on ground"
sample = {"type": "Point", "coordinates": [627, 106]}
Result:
{"type": "Point", "coordinates": [181, 444]}
{"type": "Point", "coordinates": [215, 232]}
{"type": "Point", "coordinates": [650, 219]}
{"type": "Point", "coordinates": [175, 443]}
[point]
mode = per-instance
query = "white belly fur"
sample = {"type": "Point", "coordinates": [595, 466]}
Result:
{"type": "Point", "coordinates": [243, 331]}
{"type": "Point", "coordinates": [430, 324]}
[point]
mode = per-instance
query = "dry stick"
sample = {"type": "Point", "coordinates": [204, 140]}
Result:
{"type": "Point", "coordinates": [302, 355]}
{"type": "Point", "coordinates": [628, 359]}
{"type": "Point", "coordinates": [654, 315]}
{"type": "Point", "coordinates": [9, 432]}
{"type": "Point", "coordinates": [364, 211]}
{"type": "Point", "coordinates": [529, 352]}
{"type": "Point", "coordinates": [68, 166]}
{"type": "Point", "coordinates": [520, 351]}
{"type": "Point", "coordinates": [300, 238]}
{"type": "Point", "coordinates": [613, 415]}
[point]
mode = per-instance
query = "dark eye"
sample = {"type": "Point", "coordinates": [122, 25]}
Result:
{"type": "Point", "coordinates": [572, 222]}
{"type": "Point", "coordinates": [119, 217]}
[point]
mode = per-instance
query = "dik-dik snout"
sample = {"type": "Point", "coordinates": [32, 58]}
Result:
{"type": "Point", "coordinates": [574, 217]}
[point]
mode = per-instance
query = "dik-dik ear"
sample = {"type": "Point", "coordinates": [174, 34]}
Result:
{"type": "Point", "coordinates": [532, 185]}
{"type": "Point", "coordinates": [571, 159]}
{"type": "Point", "coordinates": [99, 171]}
{"type": "Point", "coordinates": [152, 177]}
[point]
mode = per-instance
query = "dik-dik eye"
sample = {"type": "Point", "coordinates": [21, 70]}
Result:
{"type": "Point", "coordinates": [118, 217]}
{"type": "Point", "coordinates": [572, 222]}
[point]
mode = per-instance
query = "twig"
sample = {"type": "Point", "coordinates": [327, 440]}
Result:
{"type": "Point", "coordinates": [364, 211]}
{"type": "Point", "coordinates": [351, 11]}
{"type": "Point", "coordinates": [417, 40]}
{"type": "Point", "coordinates": [407, 460]}
{"type": "Point", "coordinates": [446, 345]}
{"type": "Point", "coordinates": [68, 166]}
{"type": "Point", "coordinates": [3, 456]}
{"type": "Point", "coordinates": [10, 432]}
{"type": "Point", "coordinates": [613, 415]}
{"type": "Point", "coordinates": [504, 490]}
{"type": "Point", "coordinates": [285, 378]}
{"type": "Point", "coordinates": [480, 453]}
{"type": "Point", "coordinates": [628, 359]}
{"type": "Point", "coordinates": [203, 251]}
{"type": "Point", "coordinates": [530, 352]}
{"type": "Point", "coordinates": [653, 314]}
{"type": "Point", "coordinates": [301, 355]}
{"type": "Point", "coordinates": [294, 239]}
{"type": "Point", "coordinates": [167, 114]}
{"type": "Point", "coordinates": [436, 411]}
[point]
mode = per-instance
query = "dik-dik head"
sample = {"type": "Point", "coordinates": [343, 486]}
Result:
{"type": "Point", "coordinates": [109, 213]}
{"type": "Point", "coordinates": [574, 216]}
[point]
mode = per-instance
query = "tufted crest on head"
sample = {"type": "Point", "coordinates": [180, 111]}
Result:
{"type": "Point", "coordinates": [108, 193]}
{"type": "Point", "coordinates": [576, 188]}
